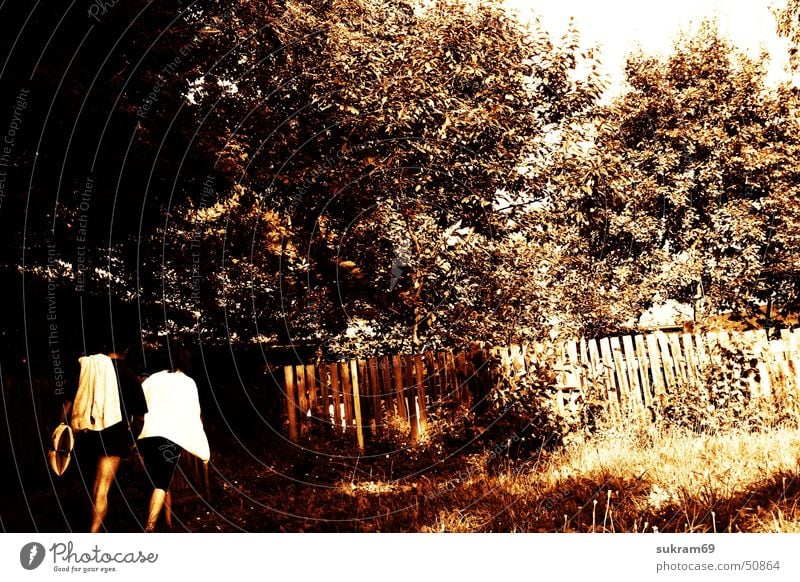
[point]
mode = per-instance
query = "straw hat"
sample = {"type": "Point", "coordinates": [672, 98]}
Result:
{"type": "Point", "coordinates": [61, 450]}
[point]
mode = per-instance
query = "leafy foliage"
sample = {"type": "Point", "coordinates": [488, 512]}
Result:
{"type": "Point", "coordinates": [788, 25]}
{"type": "Point", "coordinates": [371, 141]}
{"type": "Point", "coordinates": [524, 409]}
{"type": "Point", "coordinates": [697, 182]}
{"type": "Point", "coordinates": [374, 177]}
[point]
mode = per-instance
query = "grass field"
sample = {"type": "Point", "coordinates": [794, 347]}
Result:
{"type": "Point", "coordinates": [636, 481]}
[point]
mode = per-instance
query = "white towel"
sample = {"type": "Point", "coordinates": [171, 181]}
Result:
{"type": "Point", "coordinates": [173, 412]}
{"type": "Point", "coordinates": [96, 405]}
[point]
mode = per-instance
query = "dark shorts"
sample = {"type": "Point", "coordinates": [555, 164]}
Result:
{"type": "Point", "coordinates": [114, 441]}
{"type": "Point", "coordinates": [161, 458]}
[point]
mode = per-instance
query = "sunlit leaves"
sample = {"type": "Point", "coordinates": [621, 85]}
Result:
{"type": "Point", "coordinates": [788, 21]}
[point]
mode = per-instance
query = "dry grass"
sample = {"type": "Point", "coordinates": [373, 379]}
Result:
{"type": "Point", "coordinates": [717, 459]}
{"type": "Point", "coordinates": [672, 481]}
{"type": "Point", "coordinates": [637, 481]}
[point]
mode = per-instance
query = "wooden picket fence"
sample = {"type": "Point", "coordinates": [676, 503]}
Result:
{"type": "Point", "coordinates": [633, 373]}
{"type": "Point", "coordinates": [359, 395]}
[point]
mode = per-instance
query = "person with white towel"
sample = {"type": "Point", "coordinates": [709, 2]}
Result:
{"type": "Point", "coordinates": [108, 399]}
{"type": "Point", "coordinates": [172, 424]}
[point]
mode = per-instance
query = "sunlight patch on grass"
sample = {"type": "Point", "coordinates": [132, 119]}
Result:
{"type": "Point", "coordinates": [676, 480]}
{"type": "Point", "coordinates": [674, 461]}
{"type": "Point", "coordinates": [373, 487]}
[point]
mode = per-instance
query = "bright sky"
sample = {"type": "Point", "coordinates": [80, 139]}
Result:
{"type": "Point", "coordinates": [620, 26]}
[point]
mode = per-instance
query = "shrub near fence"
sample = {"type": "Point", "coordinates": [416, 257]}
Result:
{"type": "Point", "coordinates": [678, 377]}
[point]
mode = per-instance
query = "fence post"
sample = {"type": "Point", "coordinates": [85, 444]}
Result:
{"type": "Point", "coordinates": [357, 404]}
{"type": "Point", "coordinates": [291, 403]}
{"type": "Point", "coordinates": [410, 390]}
{"type": "Point", "coordinates": [347, 394]}
{"type": "Point", "coordinates": [423, 413]}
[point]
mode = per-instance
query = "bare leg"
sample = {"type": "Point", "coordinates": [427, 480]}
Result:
{"type": "Point", "coordinates": [156, 503]}
{"type": "Point", "coordinates": [168, 506]}
{"type": "Point", "coordinates": [106, 469]}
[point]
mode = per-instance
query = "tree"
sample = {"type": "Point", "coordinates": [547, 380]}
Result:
{"type": "Point", "coordinates": [302, 170]}
{"type": "Point", "coordinates": [696, 185]}
{"type": "Point", "coordinates": [397, 128]}
{"type": "Point", "coordinates": [788, 25]}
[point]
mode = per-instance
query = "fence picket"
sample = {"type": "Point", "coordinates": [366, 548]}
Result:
{"type": "Point", "coordinates": [583, 362]}
{"type": "Point", "coordinates": [291, 402]}
{"type": "Point", "coordinates": [597, 372]}
{"type": "Point", "coordinates": [311, 388]}
{"type": "Point", "coordinates": [681, 374]}
{"type": "Point", "coordinates": [422, 408]}
{"type": "Point", "coordinates": [399, 392]}
{"type": "Point", "coordinates": [409, 390]}
{"type": "Point", "coordinates": [621, 373]}
{"type": "Point", "coordinates": [656, 369]}
{"type": "Point", "coordinates": [702, 355]}
{"type": "Point", "coordinates": [442, 363]}
{"type": "Point", "coordinates": [644, 371]}
{"type": "Point", "coordinates": [692, 364]}
{"type": "Point", "coordinates": [780, 367]}
{"type": "Point", "coordinates": [461, 374]}
{"type": "Point", "coordinates": [452, 378]}
{"type": "Point", "coordinates": [354, 378]}
{"type": "Point", "coordinates": [347, 392]}
{"type": "Point", "coordinates": [377, 409]}
{"type": "Point", "coordinates": [609, 371]}
{"type": "Point", "coordinates": [302, 397]}
{"type": "Point", "coordinates": [632, 366]}
{"type": "Point", "coordinates": [762, 349]}
{"type": "Point", "coordinates": [364, 396]}
{"type": "Point", "coordinates": [666, 363]}
{"type": "Point", "coordinates": [574, 378]}
{"type": "Point", "coordinates": [388, 390]}
{"type": "Point", "coordinates": [431, 375]}
{"type": "Point", "coordinates": [326, 414]}
{"type": "Point", "coordinates": [794, 342]}
{"type": "Point", "coordinates": [561, 378]}
{"type": "Point", "coordinates": [333, 370]}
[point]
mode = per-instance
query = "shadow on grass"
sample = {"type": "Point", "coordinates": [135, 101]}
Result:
{"type": "Point", "coordinates": [468, 494]}
{"type": "Point", "coordinates": [277, 487]}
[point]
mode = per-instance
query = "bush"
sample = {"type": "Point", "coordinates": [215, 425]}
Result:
{"type": "Point", "coordinates": [525, 412]}
{"type": "Point", "coordinates": [726, 396]}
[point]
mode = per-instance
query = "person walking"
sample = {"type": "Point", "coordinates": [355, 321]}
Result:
{"type": "Point", "coordinates": [105, 409]}
{"type": "Point", "coordinates": [172, 424]}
